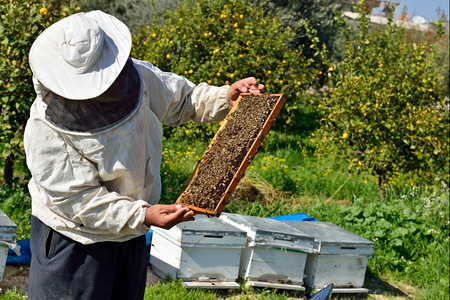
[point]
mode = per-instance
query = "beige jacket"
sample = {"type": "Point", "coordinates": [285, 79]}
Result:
{"type": "Point", "coordinates": [95, 187]}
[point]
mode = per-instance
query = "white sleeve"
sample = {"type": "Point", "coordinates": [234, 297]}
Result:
{"type": "Point", "coordinates": [176, 100]}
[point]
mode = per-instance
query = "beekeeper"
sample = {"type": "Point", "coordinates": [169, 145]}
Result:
{"type": "Point", "coordinates": [93, 146]}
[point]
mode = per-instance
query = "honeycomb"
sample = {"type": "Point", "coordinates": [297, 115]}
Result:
{"type": "Point", "coordinates": [232, 149]}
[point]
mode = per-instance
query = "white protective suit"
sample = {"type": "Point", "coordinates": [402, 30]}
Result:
{"type": "Point", "coordinates": [95, 187]}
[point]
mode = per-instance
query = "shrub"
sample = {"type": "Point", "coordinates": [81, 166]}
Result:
{"type": "Point", "coordinates": [388, 110]}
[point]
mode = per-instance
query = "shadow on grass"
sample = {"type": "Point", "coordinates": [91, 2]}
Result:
{"type": "Point", "coordinates": [377, 286]}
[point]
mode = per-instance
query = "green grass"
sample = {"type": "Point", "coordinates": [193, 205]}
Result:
{"type": "Point", "coordinates": [173, 290]}
{"type": "Point", "coordinates": [12, 295]}
{"type": "Point", "coordinates": [410, 228]}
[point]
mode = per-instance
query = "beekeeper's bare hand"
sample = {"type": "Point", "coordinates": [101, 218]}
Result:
{"type": "Point", "coordinates": [246, 85]}
{"type": "Point", "coordinates": [167, 216]}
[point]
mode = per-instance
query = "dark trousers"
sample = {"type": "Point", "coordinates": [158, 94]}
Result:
{"type": "Point", "coordinates": [62, 268]}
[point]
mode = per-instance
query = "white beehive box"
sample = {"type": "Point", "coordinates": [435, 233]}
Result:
{"type": "Point", "coordinates": [7, 237]}
{"type": "Point", "coordinates": [206, 250]}
{"type": "Point", "coordinates": [275, 253]}
{"type": "Point", "coordinates": [341, 259]}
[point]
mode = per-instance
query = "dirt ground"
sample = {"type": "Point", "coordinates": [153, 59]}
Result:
{"type": "Point", "coordinates": [17, 277]}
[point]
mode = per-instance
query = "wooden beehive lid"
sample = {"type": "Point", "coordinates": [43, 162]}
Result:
{"type": "Point", "coordinates": [232, 149]}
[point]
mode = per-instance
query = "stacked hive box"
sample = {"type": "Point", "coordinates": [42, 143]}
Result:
{"type": "Point", "coordinates": [205, 252]}
{"type": "Point", "coordinates": [341, 258]}
{"type": "Point", "coordinates": [7, 237]}
{"type": "Point", "coordinates": [275, 254]}
{"type": "Point", "coordinates": [214, 253]}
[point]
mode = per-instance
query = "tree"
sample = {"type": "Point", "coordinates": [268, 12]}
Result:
{"type": "Point", "coordinates": [134, 13]}
{"type": "Point", "coordinates": [319, 14]}
{"type": "Point", "coordinates": [387, 111]}
{"type": "Point", "coordinates": [21, 22]}
{"type": "Point", "coordinates": [220, 41]}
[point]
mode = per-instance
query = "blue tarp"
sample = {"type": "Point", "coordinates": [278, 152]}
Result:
{"type": "Point", "coordinates": [24, 258]}
{"type": "Point", "coordinates": [25, 254]}
{"type": "Point", "coordinates": [295, 217]}
{"type": "Point", "coordinates": [148, 236]}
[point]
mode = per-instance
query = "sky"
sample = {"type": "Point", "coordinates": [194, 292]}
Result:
{"type": "Point", "coordinates": [424, 8]}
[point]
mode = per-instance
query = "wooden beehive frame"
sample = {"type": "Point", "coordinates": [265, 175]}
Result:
{"type": "Point", "coordinates": [243, 164]}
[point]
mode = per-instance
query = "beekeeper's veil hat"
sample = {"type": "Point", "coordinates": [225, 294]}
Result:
{"type": "Point", "coordinates": [80, 56]}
